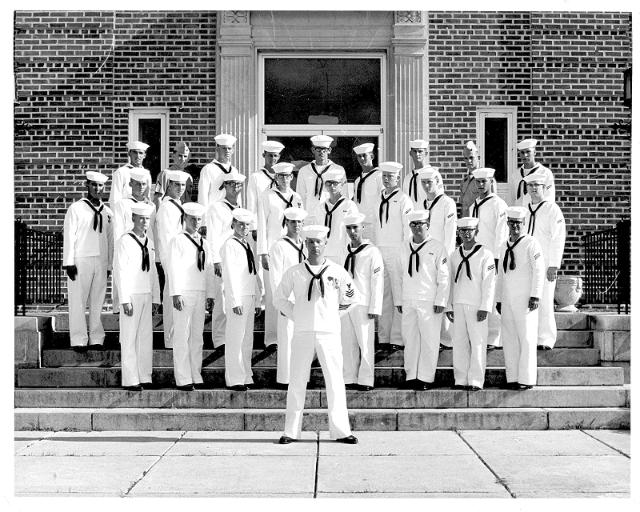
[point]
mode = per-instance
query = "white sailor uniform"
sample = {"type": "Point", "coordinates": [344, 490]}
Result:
{"type": "Point", "coordinates": [425, 284]}
{"type": "Point", "coordinates": [520, 276]}
{"type": "Point", "coordinates": [391, 231]}
{"type": "Point", "coordinates": [546, 223]}
{"type": "Point", "coordinates": [473, 279]}
{"type": "Point", "coordinates": [522, 197]}
{"type": "Point", "coordinates": [120, 187]}
{"type": "Point", "coordinates": [318, 290]}
{"type": "Point", "coordinates": [332, 215]}
{"type": "Point", "coordinates": [366, 267]}
{"type": "Point", "coordinates": [210, 186]}
{"type": "Point", "coordinates": [414, 189]}
{"type": "Point", "coordinates": [366, 190]}
{"type": "Point", "coordinates": [87, 244]}
{"type": "Point", "coordinates": [310, 183]}
{"type": "Point", "coordinates": [135, 275]}
{"type": "Point", "coordinates": [190, 276]}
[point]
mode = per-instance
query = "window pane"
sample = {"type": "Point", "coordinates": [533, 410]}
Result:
{"type": "Point", "coordinates": [298, 150]}
{"type": "Point", "coordinates": [322, 91]}
{"type": "Point", "coordinates": [495, 140]}
{"type": "Point", "coordinates": [149, 132]}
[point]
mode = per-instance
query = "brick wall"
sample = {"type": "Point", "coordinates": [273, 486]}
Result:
{"type": "Point", "coordinates": [77, 76]}
{"type": "Point", "coordinates": [563, 71]}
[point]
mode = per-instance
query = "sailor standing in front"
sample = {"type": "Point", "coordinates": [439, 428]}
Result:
{"type": "Point", "coordinates": [320, 288]}
{"type": "Point", "coordinates": [86, 258]}
{"type": "Point", "coordinates": [367, 187]}
{"type": "Point", "coordinates": [211, 176]}
{"type": "Point", "coordinates": [419, 153]}
{"type": "Point", "coordinates": [527, 154]}
{"type": "Point", "coordinates": [519, 287]}
{"type": "Point", "coordinates": [135, 275]}
{"type": "Point", "coordinates": [191, 289]}
{"type": "Point", "coordinates": [120, 188]}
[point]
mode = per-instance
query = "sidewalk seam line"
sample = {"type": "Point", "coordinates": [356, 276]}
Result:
{"type": "Point", "coordinates": [146, 471]}
{"type": "Point", "coordinates": [498, 479]}
{"type": "Point", "coordinates": [606, 444]}
{"type": "Point", "coordinates": [315, 480]}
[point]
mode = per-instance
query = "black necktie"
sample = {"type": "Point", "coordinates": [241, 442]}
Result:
{"type": "Point", "coordinates": [532, 219]}
{"type": "Point", "coordinates": [317, 189]}
{"type": "Point", "coordinates": [251, 262]}
{"type": "Point", "coordinates": [145, 252]}
{"type": "Point", "coordinates": [433, 203]}
{"type": "Point", "coordinates": [200, 252]}
{"type": "Point", "coordinates": [315, 277]}
{"type": "Point", "coordinates": [288, 203]}
{"type": "Point", "coordinates": [350, 261]}
{"type": "Point", "coordinates": [522, 185]}
{"type": "Point", "coordinates": [413, 183]}
{"type": "Point", "coordinates": [417, 255]}
{"type": "Point", "coordinates": [361, 180]}
{"type": "Point", "coordinates": [509, 254]}
{"type": "Point", "coordinates": [272, 179]}
{"type": "Point", "coordinates": [97, 215]}
{"type": "Point", "coordinates": [477, 205]}
{"type": "Point", "coordinates": [299, 250]}
{"type": "Point", "coordinates": [177, 205]}
{"type": "Point", "coordinates": [465, 262]}
{"type": "Point", "coordinates": [329, 213]}
{"type": "Point", "coordinates": [385, 202]}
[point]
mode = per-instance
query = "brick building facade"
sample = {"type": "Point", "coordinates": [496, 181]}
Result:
{"type": "Point", "coordinates": [79, 75]}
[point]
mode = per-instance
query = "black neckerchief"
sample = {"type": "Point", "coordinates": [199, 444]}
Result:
{"type": "Point", "coordinates": [299, 250]}
{"type": "Point", "coordinates": [532, 219]}
{"type": "Point", "coordinates": [477, 204]}
{"type": "Point", "coordinates": [223, 168]}
{"type": "Point", "coordinates": [328, 214]}
{"type": "Point", "coordinates": [361, 180]}
{"type": "Point", "coordinates": [350, 261]}
{"type": "Point", "coordinates": [433, 203]}
{"type": "Point", "coordinates": [315, 277]}
{"type": "Point", "coordinates": [177, 205]}
{"type": "Point", "coordinates": [509, 254]}
{"type": "Point", "coordinates": [287, 203]}
{"type": "Point", "coordinates": [522, 185]}
{"type": "Point", "coordinates": [251, 262]}
{"type": "Point", "coordinates": [97, 215]}
{"type": "Point", "coordinates": [465, 261]}
{"type": "Point", "coordinates": [145, 251]}
{"type": "Point", "coordinates": [417, 255]}
{"type": "Point", "coordinates": [317, 189]}
{"type": "Point", "coordinates": [413, 182]}
{"type": "Point", "coordinates": [385, 202]}
{"type": "Point", "coordinates": [272, 179]}
{"type": "Point", "coordinates": [200, 252]}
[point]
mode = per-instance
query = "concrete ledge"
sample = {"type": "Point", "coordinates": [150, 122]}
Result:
{"type": "Point", "coordinates": [27, 349]}
{"type": "Point", "coordinates": [613, 345]}
{"type": "Point", "coordinates": [134, 419]}
{"type": "Point", "coordinates": [473, 419]}
{"type": "Point", "coordinates": [31, 323]}
{"type": "Point", "coordinates": [576, 320]}
{"type": "Point", "coordinates": [625, 367]}
{"type": "Point", "coordinates": [53, 419]}
{"type": "Point", "coordinates": [609, 322]}
{"type": "Point", "coordinates": [585, 419]}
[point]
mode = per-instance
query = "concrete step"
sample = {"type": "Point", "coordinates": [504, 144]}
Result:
{"type": "Point", "coordinates": [534, 418]}
{"type": "Point", "coordinates": [261, 358]}
{"type": "Point", "coordinates": [77, 377]}
{"type": "Point", "coordinates": [540, 396]}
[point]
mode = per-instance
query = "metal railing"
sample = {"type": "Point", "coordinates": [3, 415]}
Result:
{"type": "Point", "coordinates": [38, 267]}
{"type": "Point", "coordinates": [608, 266]}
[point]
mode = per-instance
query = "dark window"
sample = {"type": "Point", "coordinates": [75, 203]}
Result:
{"type": "Point", "coordinates": [495, 141]}
{"type": "Point", "coordinates": [149, 132]}
{"type": "Point", "coordinates": [322, 91]}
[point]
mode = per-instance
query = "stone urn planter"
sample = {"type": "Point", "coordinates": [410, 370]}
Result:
{"type": "Point", "coordinates": [568, 292]}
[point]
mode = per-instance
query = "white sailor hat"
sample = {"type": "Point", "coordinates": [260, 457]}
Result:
{"type": "Point", "coordinates": [140, 208]}
{"type": "Point", "coordinates": [526, 144]}
{"type": "Point", "coordinates": [272, 146]}
{"type": "Point", "coordinates": [367, 147]}
{"type": "Point", "coordinates": [470, 147]}
{"type": "Point", "coordinates": [314, 231]}
{"type": "Point", "coordinates": [416, 215]}
{"type": "Point", "coordinates": [193, 209]}
{"type": "Point", "coordinates": [224, 139]}
{"type": "Point", "coordinates": [181, 147]}
{"type": "Point", "coordinates": [393, 167]}
{"type": "Point", "coordinates": [136, 144]}
{"type": "Point", "coordinates": [242, 215]}
{"type": "Point", "coordinates": [98, 177]}
{"type": "Point", "coordinates": [294, 213]}
{"type": "Point", "coordinates": [467, 222]}
{"type": "Point", "coordinates": [233, 176]}
{"type": "Point", "coordinates": [139, 174]}
{"type": "Point", "coordinates": [516, 212]}
{"type": "Point", "coordinates": [418, 144]}
{"type": "Point", "coordinates": [483, 173]}
{"type": "Point", "coordinates": [283, 168]}
{"type": "Point", "coordinates": [356, 218]}
{"type": "Point", "coordinates": [334, 174]}
{"type": "Point", "coordinates": [536, 177]}
{"type": "Point", "coordinates": [321, 141]}
{"type": "Point", "coordinates": [428, 173]}
{"type": "Point", "coordinates": [179, 176]}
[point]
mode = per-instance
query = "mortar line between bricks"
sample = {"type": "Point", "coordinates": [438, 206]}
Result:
{"type": "Point", "coordinates": [606, 444]}
{"type": "Point", "coordinates": [146, 471]}
{"type": "Point", "coordinates": [315, 480]}
{"type": "Point", "coordinates": [498, 479]}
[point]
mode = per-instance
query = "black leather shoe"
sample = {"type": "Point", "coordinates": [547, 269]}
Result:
{"type": "Point", "coordinates": [395, 347]}
{"type": "Point", "coordinates": [348, 440]}
{"type": "Point", "coordinates": [188, 387]}
{"type": "Point", "coordinates": [148, 385]}
{"type": "Point", "coordinates": [286, 440]}
{"type": "Point", "coordinates": [201, 385]}
{"type": "Point", "coordinates": [81, 349]}
{"type": "Point", "coordinates": [458, 386]}
{"type": "Point", "coordinates": [280, 385]}
{"type": "Point", "coordinates": [408, 384]}
{"type": "Point", "coordinates": [253, 385]}
{"type": "Point", "coordinates": [95, 347]}
{"type": "Point", "coordinates": [491, 347]}
{"type": "Point", "coordinates": [238, 387]}
{"type": "Point", "coordinates": [474, 388]}
{"type": "Point", "coordinates": [444, 347]}
{"type": "Point", "coordinates": [543, 347]}
{"type": "Point", "coordinates": [524, 386]}
{"type": "Point", "coordinates": [137, 387]}
{"type": "Point", "coordinates": [509, 385]}
{"type": "Point", "coordinates": [423, 386]}
{"type": "Point", "coordinates": [351, 385]}
{"type": "Point", "coordinates": [363, 387]}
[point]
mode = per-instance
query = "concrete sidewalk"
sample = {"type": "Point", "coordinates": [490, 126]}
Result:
{"type": "Point", "coordinates": [440, 464]}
